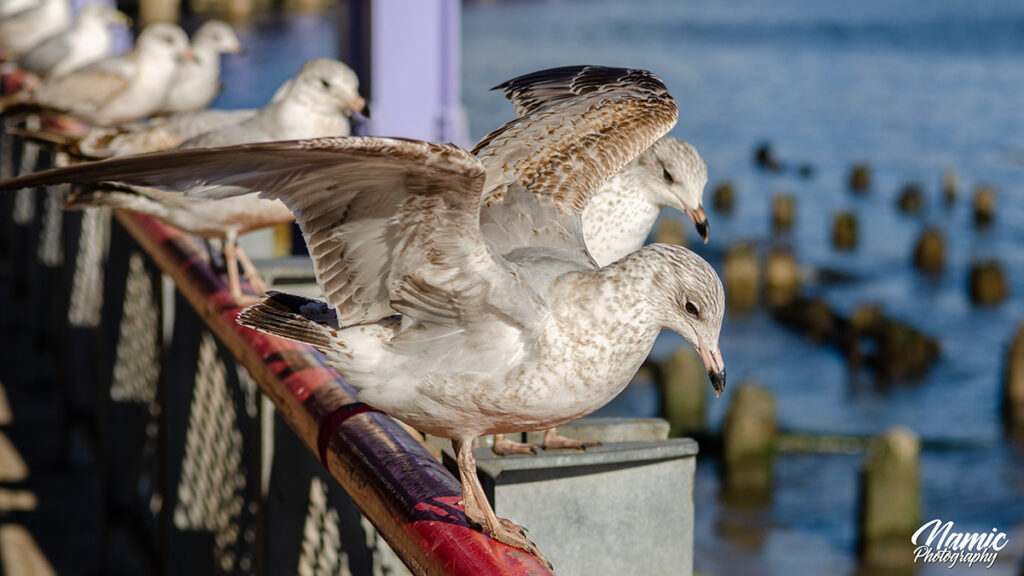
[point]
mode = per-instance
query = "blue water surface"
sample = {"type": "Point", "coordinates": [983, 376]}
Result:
{"type": "Point", "coordinates": [912, 88]}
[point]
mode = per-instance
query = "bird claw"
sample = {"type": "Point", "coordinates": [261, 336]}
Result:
{"type": "Point", "coordinates": [514, 535]}
{"type": "Point", "coordinates": [553, 440]}
{"type": "Point", "coordinates": [503, 447]}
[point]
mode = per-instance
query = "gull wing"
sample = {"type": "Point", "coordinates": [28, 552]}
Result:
{"type": "Point", "coordinates": [580, 125]}
{"type": "Point", "coordinates": [392, 225]}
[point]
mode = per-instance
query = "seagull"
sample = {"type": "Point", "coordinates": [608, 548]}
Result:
{"type": "Point", "coordinates": [316, 103]}
{"type": "Point", "coordinates": [24, 25]}
{"type": "Point", "coordinates": [458, 310]}
{"type": "Point", "coordinates": [197, 82]}
{"type": "Point", "coordinates": [620, 215]}
{"type": "Point", "coordinates": [115, 90]}
{"type": "Point", "coordinates": [87, 40]}
{"type": "Point", "coordinates": [162, 132]}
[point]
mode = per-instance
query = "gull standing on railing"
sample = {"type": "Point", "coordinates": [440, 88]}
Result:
{"type": "Point", "coordinates": [196, 82]}
{"type": "Point", "coordinates": [89, 39]}
{"type": "Point", "coordinates": [460, 312]}
{"type": "Point", "coordinates": [115, 90]}
{"type": "Point", "coordinates": [318, 102]}
{"type": "Point", "coordinates": [619, 217]}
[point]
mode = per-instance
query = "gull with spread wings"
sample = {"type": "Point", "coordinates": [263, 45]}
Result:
{"type": "Point", "coordinates": [459, 311]}
{"type": "Point", "coordinates": [619, 216]}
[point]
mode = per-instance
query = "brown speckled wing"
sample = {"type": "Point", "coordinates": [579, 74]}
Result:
{"type": "Point", "coordinates": [392, 225]}
{"type": "Point", "coordinates": [581, 124]}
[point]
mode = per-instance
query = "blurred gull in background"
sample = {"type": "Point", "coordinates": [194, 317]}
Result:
{"type": "Point", "coordinates": [115, 90]}
{"type": "Point", "coordinates": [87, 40]}
{"type": "Point", "coordinates": [196, 83]}
{"type": "Point", "coordinates": [23, 25]}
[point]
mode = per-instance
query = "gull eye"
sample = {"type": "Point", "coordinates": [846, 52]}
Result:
{"type": "Point", "coordinates": [691, 309]}
{"type": "Point", "coordinates": [325, 83]}
{"type": "Point", "coordinates": [666, 175]}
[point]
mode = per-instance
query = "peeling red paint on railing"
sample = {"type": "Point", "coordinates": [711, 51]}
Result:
{"type": "Point", "coordinates": [397, 484]}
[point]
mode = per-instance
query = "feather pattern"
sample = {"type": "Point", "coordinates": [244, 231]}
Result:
{"type": "Point", "coordinates": [582, 125]}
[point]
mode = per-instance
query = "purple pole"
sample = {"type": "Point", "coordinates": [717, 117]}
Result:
{"type": "Point", "coordinates": [415, 70]}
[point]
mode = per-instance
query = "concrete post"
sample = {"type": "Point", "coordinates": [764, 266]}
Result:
{"type": "Point", "coordinates": [889, 510]}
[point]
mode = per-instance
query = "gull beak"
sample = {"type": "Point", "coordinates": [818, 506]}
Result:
{"type": "Point", "coordinates": [700, 220]}
{"type": "Point", "coordinates": [188, 56]}
{"type": "Point", "coordinates": [122, 19]}
{"type": "Point", "coordinates": [359, 107]}
{"type": "Point", "coordinates": [237, 49]}
{"type": "Point", "coordinates": [715, 366]}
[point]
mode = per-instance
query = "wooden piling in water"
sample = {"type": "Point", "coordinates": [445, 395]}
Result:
{"type": "Point", "coordinates": [911, 199]}
{"type": "Point", "coordinates": [984, 205]}
{"type": "Point", "coordinates": [889, 507]}
{"type": "Point", "coordinates": [783, 213]}
{"type": "Point", "coordinates": [930, 251]}
{"type": "Point", "coordinates": [1013, 387]}
{"type": "Point", "coordinates": [782, 277]}
{"type": "Point", "coordinates": [722, 197]}
{"type": "Point", "coordinates": [670, 231]}
{"type": "Point", "coordinates": [684, 392]}
{"type": "Point", "coordinates": [860, 178]}
{"type": "Point", "coordinates": [742, 276]}
{"type": "Point", "coordinates": [988, 285]}
{"type": "Point", "coordinates": [844, 231]}
{"type": "Point", "coordinates": [950, 187]}
{"type": "Point", "coordinates": [748, 446]}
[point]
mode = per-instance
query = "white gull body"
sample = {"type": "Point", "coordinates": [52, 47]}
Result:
{"type": "Point", "coordinates": [196, 82]}
{"type": "Point", "coordinates": [23, 25]}
{"type": "Point", "coordinates": [89, 39]}
{"type": "Point", "coordinates": [316, 103]}
{"type": "Point", "coordinates": [118, 89]}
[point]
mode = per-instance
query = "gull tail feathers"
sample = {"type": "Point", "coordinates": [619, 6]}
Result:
{"type": "Point", "coordinates": [358, 352]}
{"type": "Point", "coordinates": [292, 317]}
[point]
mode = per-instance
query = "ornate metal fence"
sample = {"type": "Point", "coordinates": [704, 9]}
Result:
{"type": "Point", "coordinates": [220, 450]}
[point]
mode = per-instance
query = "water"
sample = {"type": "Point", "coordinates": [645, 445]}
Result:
{"type": "Point", "coordinates": [913, 89]}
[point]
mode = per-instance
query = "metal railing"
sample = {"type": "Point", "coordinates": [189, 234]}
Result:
{"type": "Point", "coordinates": [198, 474]}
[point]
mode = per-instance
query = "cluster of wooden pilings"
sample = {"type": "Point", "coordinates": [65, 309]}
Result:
{"type": "Point", "coordinates": [749, 441]}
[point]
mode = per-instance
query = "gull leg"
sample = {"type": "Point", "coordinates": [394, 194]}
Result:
{"type": "Point", "coordinates": [503, 446]}
{"type": "Point", "coordinates": [231, 261]}
{"type": "Point", "coordinates": [257, 283]}
{"type": "Point", "coordinates": [552, 439]}
{"type": "Point", "coordinates": [478, 509]}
